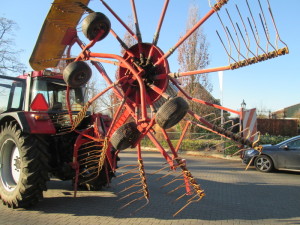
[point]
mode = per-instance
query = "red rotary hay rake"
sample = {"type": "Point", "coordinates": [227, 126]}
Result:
{"type": "Point", "coordinates": [144, 78]}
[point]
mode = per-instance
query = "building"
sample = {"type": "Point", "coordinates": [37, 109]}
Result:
{"type": "Point", "coordinates": [288, 112]}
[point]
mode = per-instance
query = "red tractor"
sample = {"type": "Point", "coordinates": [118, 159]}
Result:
{"type": "Point", "coordinates": [36, 139]}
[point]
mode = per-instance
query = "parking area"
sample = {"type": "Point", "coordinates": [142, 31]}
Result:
{"type": "Point", "coordinates": [233, 196]}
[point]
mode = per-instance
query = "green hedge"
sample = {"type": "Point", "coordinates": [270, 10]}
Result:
{"type": "Point", "coordinates": [271, 139]}
{"type": "Point", "coordinates": [212, 144]}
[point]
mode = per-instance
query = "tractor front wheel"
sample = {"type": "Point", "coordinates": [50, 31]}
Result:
{"type": "Point", "coordinates": [23, 171]}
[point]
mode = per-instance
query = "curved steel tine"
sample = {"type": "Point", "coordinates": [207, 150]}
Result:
{"type": "Point", "coordinates": [245, 42]}
{"type": "Point", "coordinates": [277, 33]}
{"type": "Point", "coordinates": [255, 34]}
{"type": "Point", "coordinates": [255, 38]}
{"type": "Point", "coordinates": [132, 201]}
{"type": "Point", "coordinates": [137, 184]}
{"type": "Point", "coordinates": [228, 121]}
{"type": "Point", "coordinates": [239, 53]}
{"type": "Point", "coordinates": [246, 32]}
{"type": "Point", "coordinates": [130, 194]}
{"type": "Point", "coordinates": [236, 34]}
{"type": "Point", "coordinates": [264, 23]}
{"type": "Point", "coordinates": [138, 209]}
{"type": "Point", "coordinates": [228, 53]}
{"type": "Point", "coordinates": [250, 11]}
{"type": "Point", "coordinates": [187, 204]}
{"type": "Point", "coordinates": [228, 40]}
{"type": "Point", "coordinates": [177, 188]}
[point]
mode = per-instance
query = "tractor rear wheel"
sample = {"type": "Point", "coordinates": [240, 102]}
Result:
{"type": "Point", "coordinates": [24, 171]}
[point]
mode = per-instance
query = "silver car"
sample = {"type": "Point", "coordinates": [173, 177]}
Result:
{"type": "Point", "coordinates": [282, 156]}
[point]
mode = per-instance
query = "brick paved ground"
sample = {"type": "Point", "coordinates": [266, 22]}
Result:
{"type": "Point", "coordinates": [233, 196]}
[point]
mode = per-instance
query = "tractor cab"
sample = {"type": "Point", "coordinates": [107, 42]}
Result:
{"type": "Point", "coordinates": [50, 94]}
{"type": "Point", "coordinates": [47, 92]}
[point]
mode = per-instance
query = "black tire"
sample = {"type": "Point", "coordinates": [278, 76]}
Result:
{"type": "Point", "coordinates": [24, 170]}
{"type": "Point", "coordinates": [77, 74]}
{"type": "Point", "coordinates": [171, 112]}
{"type": "Point", "coordinates": [264, 163]}
{"type": "Point", "coordinates": [93, 23]}
{"type": "Point", "coordinates": [125, 136]}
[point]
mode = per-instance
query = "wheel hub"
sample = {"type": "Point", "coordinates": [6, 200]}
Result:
{"type": "Point", "coordinates": [10, 165]}
{"type": "Point", "coordinates": [150, 54]}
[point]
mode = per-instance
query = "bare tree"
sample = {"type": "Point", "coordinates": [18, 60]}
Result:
{"type": "Point", "coordinates": [9, 61]}
{"type": "Point", "coordinates": [128, 38]}
{"type": "Point", "coordinates": [193, 55]}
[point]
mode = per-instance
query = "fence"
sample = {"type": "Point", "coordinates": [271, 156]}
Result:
{"type": "Point", "coordinates": [283, 127]}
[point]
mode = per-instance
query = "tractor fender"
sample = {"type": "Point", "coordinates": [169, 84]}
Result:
{"type": "Point", "coordinates": [28, 122]}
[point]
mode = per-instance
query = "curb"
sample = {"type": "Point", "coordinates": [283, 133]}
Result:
{"type": "Point", "coordinates": [206, 154]}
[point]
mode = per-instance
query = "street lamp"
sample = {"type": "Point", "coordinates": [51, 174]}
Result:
{"type": "Point", "coordinates": [243, 104]}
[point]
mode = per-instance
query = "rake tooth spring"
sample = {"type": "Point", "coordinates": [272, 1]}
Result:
{"type": "Point", "coordinates": [79, 117]}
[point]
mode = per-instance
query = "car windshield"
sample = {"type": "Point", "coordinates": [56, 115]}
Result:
{"type": "Point", "coordinates": [55, 92]}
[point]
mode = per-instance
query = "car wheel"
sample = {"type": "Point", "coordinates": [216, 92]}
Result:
{"type": "Point", "coordinates": [263, 163]}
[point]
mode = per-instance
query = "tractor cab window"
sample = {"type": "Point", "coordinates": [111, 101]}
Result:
{"type": "Point", "coordinates": [11, 94]}
{"type": "Point", "coordinates": [54, 93]}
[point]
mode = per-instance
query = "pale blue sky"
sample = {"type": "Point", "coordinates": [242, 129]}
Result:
{"type": "Point", "coordinates": [270, 85]}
